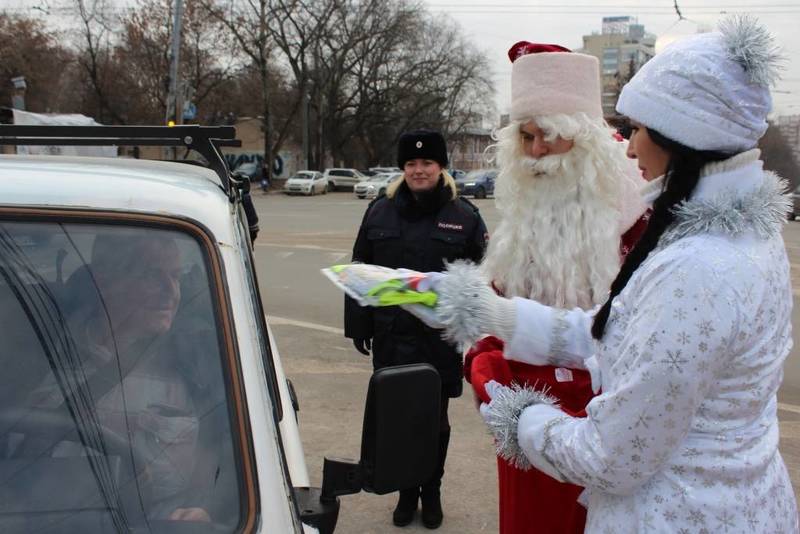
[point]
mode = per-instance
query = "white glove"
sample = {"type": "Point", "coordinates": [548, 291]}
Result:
{"type": "Point", "coordinates": [469, 307]}
{"type": "Point", "coordinates": [491, 387]}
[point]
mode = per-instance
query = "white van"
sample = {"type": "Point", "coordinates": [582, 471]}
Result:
{"type": "Point", "coordinates": [142, 390]}
{"type": "Point", "coordinates": [340, 178]}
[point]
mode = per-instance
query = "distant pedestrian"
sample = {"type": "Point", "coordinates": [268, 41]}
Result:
{"type": "Point", "coordinates": [264, 182]}
{"type": "Point", "coordinates": [419, 224]}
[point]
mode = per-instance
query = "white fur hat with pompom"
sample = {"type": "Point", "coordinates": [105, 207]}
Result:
{"type": "Point", "coordinates": [550, 79]}
{"type": "Point", "coordinates": [709, 91]}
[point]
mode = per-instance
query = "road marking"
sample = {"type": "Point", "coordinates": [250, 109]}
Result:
{"type": "Point", "coordinates": [303, 247]}
{"type": "Point", "coordinates": [284, 321]}
{"type": "Point", "coordinates": [284, 255]}
{"type": "Point", "coordinates": [788, 407]}
{"type": "Point", "coordinates": [334, 257]}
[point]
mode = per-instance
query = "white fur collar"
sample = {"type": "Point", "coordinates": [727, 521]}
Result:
{"type": "Point", "coordinates": [652, 189]}
{"type": "Point", "coordinates": [733, 197]}
{"type": "Point", "coordinates": [632, 207]}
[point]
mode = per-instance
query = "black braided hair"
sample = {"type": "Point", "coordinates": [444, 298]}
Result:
{"type": "Point", "coordinates": [681, 178]}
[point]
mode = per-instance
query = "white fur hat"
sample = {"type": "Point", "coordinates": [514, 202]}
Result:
{"type": "Point", "coordinates": [548, 83]}
{"type": "Point", "coordinates": [708, 91]}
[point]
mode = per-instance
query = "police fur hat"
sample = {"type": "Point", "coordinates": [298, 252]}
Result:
{"type": "Point", "coordinates": [423, 144]}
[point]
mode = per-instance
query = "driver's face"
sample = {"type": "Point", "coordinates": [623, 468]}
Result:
{"type": "Point", "coordinates": [144, 299]}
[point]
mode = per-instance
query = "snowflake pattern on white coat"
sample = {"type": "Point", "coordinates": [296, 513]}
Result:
{"type": "Point", "coordinates": [684, 437]}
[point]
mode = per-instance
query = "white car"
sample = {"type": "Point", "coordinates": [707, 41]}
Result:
{"type": "Point", "coordinates": [342, 178]}
{"type": "Point", "coordinates": [375, 186]}
{"type": "Point", "coordinates": [379, 170]}
{"type": "Point", "coordinates": [142, 390]}
{"type": "Point", "coordinates": [306, 183]}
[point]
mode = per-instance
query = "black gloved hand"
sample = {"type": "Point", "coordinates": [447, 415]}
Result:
{"type": "Point", "coordinates": [363, 345]}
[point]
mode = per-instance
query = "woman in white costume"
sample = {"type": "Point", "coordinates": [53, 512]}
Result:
{"type": "Point", "coordinates": [689, 348]}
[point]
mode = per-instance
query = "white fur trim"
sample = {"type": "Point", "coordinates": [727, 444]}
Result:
{"type": "Point", "coordinates": [652, 190]}
{"type": "Point", "coordinates": [555, 82]}
{"type": "Point", "coordinates": [536, 423]}
{"type": "Point", "coordinates": [632, 204]}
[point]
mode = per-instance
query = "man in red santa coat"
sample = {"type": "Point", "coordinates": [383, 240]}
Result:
{"type": "Point", "coordinates": [571, 206]}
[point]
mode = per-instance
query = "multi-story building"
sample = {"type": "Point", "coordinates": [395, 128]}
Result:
{"type": "Point", "coordinates": [789, 125]}
{"type": "Point", "coordinates": [622, 47]}
{"type": "Point", "coordinates": [468, 148]}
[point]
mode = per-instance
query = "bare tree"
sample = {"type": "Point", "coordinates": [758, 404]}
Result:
{"type": "Point", "coordinates": [390, 66]}
{"type": "Point", "coordinates": [29, 49]}
{"type": "Point", "coordinates": [95, 55]}
{"type": "Point", "coordinates": [248, 23]}
{"type": "Point", "coordinates": [208, 59]}
{"type": "Point", "coordinates": [297, 27]}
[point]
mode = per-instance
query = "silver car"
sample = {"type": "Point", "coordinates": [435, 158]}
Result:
{"type": "Point", "coordinates": [376, 185]}
{"type": "Point", "coordinates": [306, 183]}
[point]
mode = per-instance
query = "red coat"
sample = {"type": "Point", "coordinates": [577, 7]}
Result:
{"type": "Point", "coordinates": [530, 501]}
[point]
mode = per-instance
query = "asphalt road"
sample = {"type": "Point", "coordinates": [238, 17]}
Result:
{"type": "Point", "coordinates": [301, 235]}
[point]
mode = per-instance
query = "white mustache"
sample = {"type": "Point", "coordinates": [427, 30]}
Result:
{"type": "Point", "coordinates": [546, 165]}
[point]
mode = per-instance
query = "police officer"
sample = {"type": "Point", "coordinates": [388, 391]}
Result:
{"type": "Point", "coordinates": [419, 224]}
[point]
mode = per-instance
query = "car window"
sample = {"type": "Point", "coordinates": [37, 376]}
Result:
{"type": "Point", "coordinates": [113, 412]}
{"type": "Point", "coordinates": [340, 173]}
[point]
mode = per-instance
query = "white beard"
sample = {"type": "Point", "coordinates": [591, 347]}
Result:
{"type": "Point", "coordinates": [559, 236]}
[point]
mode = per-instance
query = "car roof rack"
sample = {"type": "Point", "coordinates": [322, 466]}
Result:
{"type": "Point", "coordinates": [205, 140]}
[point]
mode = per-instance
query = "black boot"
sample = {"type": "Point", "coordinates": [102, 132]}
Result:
{"type": "Point", "coordinates": [432, 514]}
{"type": "Point", "coordinates": [406, 506]}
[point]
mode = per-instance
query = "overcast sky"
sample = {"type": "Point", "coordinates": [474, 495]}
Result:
{"type": "Point", "coordinates": [494, 26]}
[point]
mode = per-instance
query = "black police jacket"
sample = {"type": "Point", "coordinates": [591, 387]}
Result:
{"type": "Point", "coordinates": [420, 234]}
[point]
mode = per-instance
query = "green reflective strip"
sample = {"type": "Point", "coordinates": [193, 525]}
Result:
{"type": "Point", "coordinates": [405, 296]}
{"type": "Point", "coordinates": [385, 286]}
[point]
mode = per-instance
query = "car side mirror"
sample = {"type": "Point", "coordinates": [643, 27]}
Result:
{"type": "Point", "coordinates": [401, 428]}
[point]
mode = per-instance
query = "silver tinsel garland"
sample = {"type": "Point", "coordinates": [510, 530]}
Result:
{"type": "Point", "coordinates": [762, 211]}
{"type": "Point", "coordinates": [502, 418]}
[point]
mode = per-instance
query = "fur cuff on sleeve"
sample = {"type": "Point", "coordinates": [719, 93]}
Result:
{"type": "Point", "coordinates": [502, 417]}
{"type": "Point", "coordinates": [469, 308]}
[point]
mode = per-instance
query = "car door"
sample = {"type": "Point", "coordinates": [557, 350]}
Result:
{"type": "Point", "coordinates": [490, 178]}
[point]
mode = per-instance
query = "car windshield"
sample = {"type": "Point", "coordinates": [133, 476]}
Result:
{"type": "Point", "coordinates": [113, 412]}
{"type": "Point", "coordinates": [246, 167]}
{"type": "Point", "coordinates": [477, 175]}
{"type": "Point", "coordinates": [302, 176]}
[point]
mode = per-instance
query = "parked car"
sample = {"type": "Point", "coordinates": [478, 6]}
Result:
{"type": "Point", "coordinates": [478, 184]}
{"type": "Point", "coordinates": [342, 178]}
{"type": "Point", "coordinates": [306, 183]}
{"type": "Point", "coordinates": [376, 185]}
{"type": "Point", "coordinates": [795, 204]}
{"type": "Point", "coordinates": [457, 174]}
{"type": "Point", "coordinates": [251, 169]}
{"type": "Point", "coordinates": [378, 170]}
{"type": "Point", "coordinates": [142, 389]}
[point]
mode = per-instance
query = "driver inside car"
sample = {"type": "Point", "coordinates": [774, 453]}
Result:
{"type": "Point", "coordinates": [123, 326]}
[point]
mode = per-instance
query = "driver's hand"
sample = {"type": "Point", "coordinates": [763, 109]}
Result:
{"type": "Point", "coordinates": [363, 345]}
{"type": "Point", "coordinates": [190, 514]}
